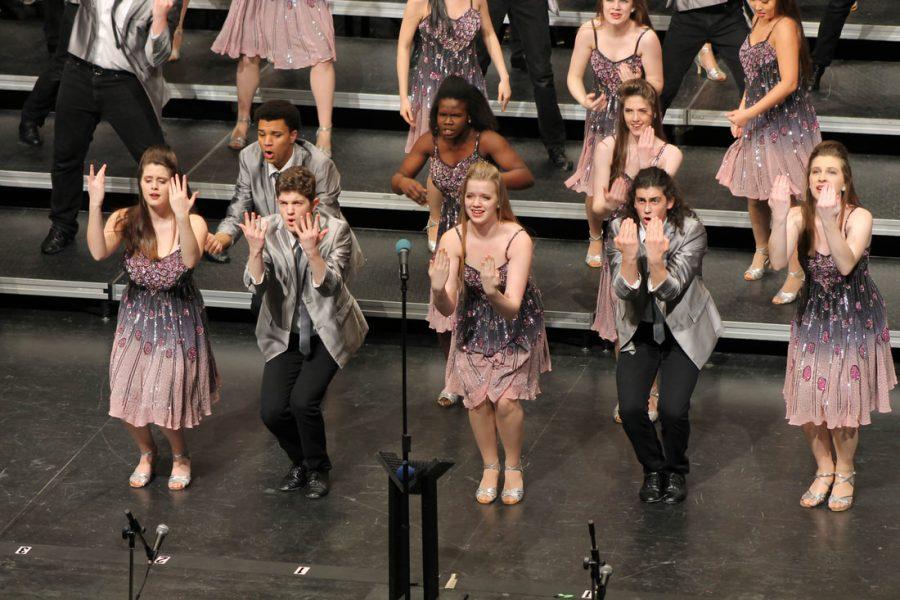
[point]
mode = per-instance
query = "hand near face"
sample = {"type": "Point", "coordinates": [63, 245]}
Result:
{"type": "Point", "coordinates": [656, 243]}
{"type": "Point", "coordinates": [96, 186]}
{"type": "Point", "coordinates": [626, 240]}
{"type": "Point", "coordinates": [645, 145]}
{"type": "Point", "coordinates": [309, 233]}
{"type": "Point", "coordinates": [439, 270]}
{"type": "Point", "coordinates": [490, 275]}
{"type": "Point", "coordinates": [178, 196]}
{"type": "Point", "coordinates": [780, 197]}
{"type": "Point", "coordinates": [254, 229]}
{"type": "Point", "coordinates": [619, 191]}
{"type": "Point", "coordinates": [828, 205]}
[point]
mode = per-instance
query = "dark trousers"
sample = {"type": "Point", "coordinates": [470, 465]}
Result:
{"type": "Point", "coordinates": [39, 102]}
{"type": "Point", "coordinates": [677, 378]}
{"type": "Point", "coordinates": [86, 96]}
{"type": "Point", "coordinates": [293, 388]}
{"type": "Point", "coordinates": [531, 23]}
{"type": "Point", "coordinates": [830, 31]}
{"type": "Point", "coordinates": [723, 25]}
{"type": "Point", "coordinates": [53, 14]}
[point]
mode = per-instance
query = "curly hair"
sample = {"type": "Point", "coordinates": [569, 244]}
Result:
{"type": "Point", "coordinates": [299, 180]}
{"type": "Point", "coordinates": [481, 117]}
{"type": "Point", "coordinates": [654, 177]}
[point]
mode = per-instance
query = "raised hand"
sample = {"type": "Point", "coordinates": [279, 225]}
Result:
{"type": "Point", "coordinates": [178, 196]}
{"type": "Point", "coordinates": [828, 204]}
{"type": "Point", "coordinates": [780, 197]}
{"type": "Point", "coordinates": [414, 190]}
{"type": "Point", "coordinates": [656, 243]}
{"type": "Point", "coordinates": [406, 111]}
{"type": "Point", "coordinates": [626, 240]}
{"type": "Point", "coordinates": [96, 186]}
{"type": "Point", "coordinates": [645, 144]}
{"type": "Point", "coordinates": [254, 228]}
{"type": "Point", "coordinates": [504, 93]}
{"type": "Point", "coordinates": [439, 270]}
{"type": "Point", "coordinates": [594, 102]}
{"type": "Point", "coordinates": [490, 275]}
{"type": "Point", "coordinates": [310, 233]}
{"type": "Point", "coordinates": [618, 192]}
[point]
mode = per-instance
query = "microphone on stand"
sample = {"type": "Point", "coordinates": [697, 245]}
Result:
{"type": "Point", "coordinates": [403, 247]}
{"type": "Point", "coordinates": [162, 530]}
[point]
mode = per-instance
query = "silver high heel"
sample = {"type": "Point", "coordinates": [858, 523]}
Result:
{"type": "Point", "coordinates": [139, 480]}
{"type": "Point", "coordinates": [179, 482]}
{"type": "Point", "coordinates": [432, 245]}
{"type": "Point", "coordinates": [321, 130]}
{"type": "Point", "coordinates": [654, 414]}
{"type": "Point", "coordinates": [515, 495]}
{"type": "Point", "coordinates": [237, 142]}
{"type": "Point", "coordinates": [487, 495]}
{"type": "Point", "coordinates": [783, 297]}
{"type": "Point", "coordinates": [842, 503]}
{"type": "Point", "coordinates": [713, 74]}
{"type": "Point", "coordinates": [595, 261]}
{"type": "Point", "coordinates": [810, 500]}
{"type": "Point", "coordinates": [756, 273]}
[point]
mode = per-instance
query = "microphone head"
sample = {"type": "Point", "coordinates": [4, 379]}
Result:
{"type": "Point", "coordinates": [162, 529]}
{"type": "Point", "coordinates": [402, 245]}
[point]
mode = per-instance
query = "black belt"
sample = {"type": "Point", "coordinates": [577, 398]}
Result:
{"type": "Point", "coordinates": [98, 71]}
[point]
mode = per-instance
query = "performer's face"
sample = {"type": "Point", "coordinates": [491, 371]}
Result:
{"type": "Point", "coordinates": [481, 201]}
{"type": "Point", "coordinates": [826, 169]}
{"type": "Point", "coordinates": [155, 184]}
{"type": "Point", "coordinates": [765, 9]}
{"type": "Point", "coordinates": [617, 11]}
{"type": "Point", "coordinates": [452, 118]}
{"type": "Point", "coordinates": [651, 202]}
{"type": "Point", "coordinates": [276, 141]}
{"type": "Point", "coordinates": [294, 206]}
{"type": "Point", "coordinates": [638, 114]}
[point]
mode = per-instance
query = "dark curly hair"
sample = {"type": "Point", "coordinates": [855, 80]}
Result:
{"type": "Point", "coordinates": [655, 177]}
{"type": "Point", "coordinates": [481, 117]}
{"type": "Point", "coordinates": [299, 180]}
{"type": "Point", "coordinates": [273, 110]}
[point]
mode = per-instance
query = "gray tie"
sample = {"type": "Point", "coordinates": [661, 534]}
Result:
{"type": "Point", "coordinates": [659, 323]}
{"type": "Point", "coordinates": [304, 323]}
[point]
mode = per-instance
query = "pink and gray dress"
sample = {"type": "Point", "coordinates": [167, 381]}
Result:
{"type": "Point", "coordinates": [599, 124]}
{"type": "Point", "coordinates": [442, 51]}
{"type": "Point", "coordinates": [491, 357]}
{"type": "Point", "coordinates": [162, 369]}
{"type": "Point", "coordinates": [290, 34]}
{"type": "Point", "coordinates": [778, 141]}
{"type": "Point", "coordinates": [839, 365]}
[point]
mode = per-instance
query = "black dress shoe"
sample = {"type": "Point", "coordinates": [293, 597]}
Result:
{"type": "Point", "coordinates": [559, 159]}
{"type": "Point", "coordinates": [29, 134]}
{"type": "Point", "coordinates": [652, 490]}
{"type": "Point", "coordinates": [676, 489]}
{"type": "Point", "coordinates": [55, 241]}
{"type": "Point", "coordinates": [318, 484]}
{"type": "Point", "coordinates": [815, 78]}
{"type": "Point", "coordinates": [294, 480]}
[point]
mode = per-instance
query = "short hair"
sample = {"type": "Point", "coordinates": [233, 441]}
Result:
{"type": "Point", "coordinates": [273, 110]}
{"type": "Point", "coordinates": [297, 179]}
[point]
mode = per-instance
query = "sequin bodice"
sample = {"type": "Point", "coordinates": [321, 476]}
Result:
{"type": "Point", "coordinates": [156, 275]}
{"type": "Point", "coordinates": [456, 38]}
{"type": "Point", "coordinates": [607, 79]}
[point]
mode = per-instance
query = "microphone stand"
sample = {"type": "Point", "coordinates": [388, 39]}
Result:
{"type": "Point", "coordinates": [130, 532]}
{"type": "Point", "coordinates": [600, 571]}
{"type": "Point", "coordinates": [406, 439]}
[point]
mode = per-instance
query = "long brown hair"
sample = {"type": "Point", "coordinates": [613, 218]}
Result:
{"type": "Point", "coordinates": [807, 241]}
{"type": "Point", "coordinates": [629, 89]}
{"type": "Point", "coordinates": [135, 224]}
{"type": "Point", "coordinates": [639, 15]}
{"type": "Point", "coordinates": [789, 9]}
{"type": "Point", "coordinates": [654, 177]}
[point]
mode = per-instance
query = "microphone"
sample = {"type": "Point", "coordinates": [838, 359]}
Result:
{"type": "Point", "coordinates": [403, 247]}
{"type": "Point", "coordinates": [606, 572]}
{"type": "Point", "coordinates": [162, 530]}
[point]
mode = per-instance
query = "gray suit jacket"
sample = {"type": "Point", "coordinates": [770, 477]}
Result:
{"type": "Point", "coordinates": [690, 311]}
{"type": "Point", "coordinates": [253, 191]}
{"type": "Point", "coordinates": [145, 55]}
{"type": "Point", "coordinates": [336, 316]}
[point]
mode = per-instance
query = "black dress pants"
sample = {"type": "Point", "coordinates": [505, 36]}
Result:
{"type": "Point", "coordinates": [53, 12]}
{"type": "Point", "coordinates": [723, 25]}
{"type": "Point", "coordinates": [677, 378]}
{"type": "Point", "coordinates": [531, 23]}
{"type": "Point", "coordinates": [40, 101]}
{"type": "Point", "coordinates": [293, 388]}
{"type": "Point", "coordinates": [87, 95]}
{"type": "Point", "coordinates": [830, 31]}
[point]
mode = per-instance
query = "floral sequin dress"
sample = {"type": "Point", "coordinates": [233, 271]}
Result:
{"type": "Point", "coordinates": [442, 51]}
{"type": "Point", "coordinates": [448, 180]}
{"type": "Point", "coordinates": [162, 369]}
{"type": "Point", "coordinates": [608, 76]}
{"type": "Point", "coordinates": [778, 141]}
{"type": "Point", "coordinates": [492, 357]}
{"type": "Point", "coordinates": [290, 34]}
{"type": "Point", "coordinates": [839, 365]}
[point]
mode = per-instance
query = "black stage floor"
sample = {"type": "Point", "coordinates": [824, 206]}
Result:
{"type": "Point", "coordinates": [741, 534]}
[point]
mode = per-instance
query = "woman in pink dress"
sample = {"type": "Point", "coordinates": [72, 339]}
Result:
{"type": "Point", "coordinates": [619, 44]}
{"type": "Point", "coordinates": [839, 357]}
{"type": "Point", "coordinates": [290, 34]}
{"type": "Point", "coordinates": [161, 370]}
{"type": "Point", "coordinates": [775, 126]}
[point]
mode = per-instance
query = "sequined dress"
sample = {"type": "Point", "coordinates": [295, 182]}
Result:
{"type": "Point", "coordinates": [442, 51]}
{"type": "Point", "coordinates": [778, 141]}
{"type": "Point", "coordinates": [601, 123]}
{"type": "Point", "coordinates": [290, 34]}
{"type": "Point", "coordinates": [162, 369]}
{"type": "Point", "coordinates": [491, 357]}
{"type": "Point", "coordinates": [839, 365]}
{"type": "Point", "coordinates": [448, 180]}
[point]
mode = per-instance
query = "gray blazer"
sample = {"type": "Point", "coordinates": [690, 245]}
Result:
{"type": "Point", "coordinates": [336, 316]}
{"type": "Point", "coordinates": [145, 55]}
{"type": "Point", "coordinates": [253, 192]}
{"type": "Point", "coordinates": [690, 311]}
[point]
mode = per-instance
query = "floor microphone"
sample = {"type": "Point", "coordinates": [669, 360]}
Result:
{"type": "Point", "coordinates": [403, 247]}
{"type": "Point", "coordinates": [162, 530]}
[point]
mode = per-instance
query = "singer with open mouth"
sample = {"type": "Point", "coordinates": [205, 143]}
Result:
{"type": "Point", "coordinates": [309, 325]}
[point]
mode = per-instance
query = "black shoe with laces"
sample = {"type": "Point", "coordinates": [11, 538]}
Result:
{"type": "Point", "coordinates": [676, 489]}
{"type": "Point", "coordinates": [29, 134]}
{"type": "Point", "coordinates": [558, 158]}
{"type": "Point", "coordinates": [56, 240]}
{"type": "Point", "coordinates": [295, 479]}
{"type": "Point", "coordinates": [652, 490]}
{"type": "Point", "coordinates": [318, 484]}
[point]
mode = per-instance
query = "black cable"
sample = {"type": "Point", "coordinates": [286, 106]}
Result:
{"type": "Point", "coordinates": [144, 582]}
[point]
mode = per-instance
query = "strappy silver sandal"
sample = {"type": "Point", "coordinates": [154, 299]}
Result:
{"type": "Point", "coordinates": [432, 244]}
{"type": "Point", "coordinates": [811, 500]}
{"type": "Point", "coordinates": [594, 261]}
{"type": "Point", "coordinates": [514, 495]}
{"type": "Point", "coordinates": [842, 503]}
{"type": "Point", "coordinates": [179, 482]}
{"type": "Point", "coordinates": [319, 131]}
{"type": "Point", "coordinates": [487, 495]}
{"type": "Point", "coordinates": [783, 297]}
{"type": "Point", "coordinates": [138, 479]}
{"type": "Point", "coordinates": [238, 142]}
{"type": "Point", "coordinates": [756, 273]}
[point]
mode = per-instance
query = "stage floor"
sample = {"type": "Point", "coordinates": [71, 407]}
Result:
{"type": "Point", "coordinates": [741, 534]}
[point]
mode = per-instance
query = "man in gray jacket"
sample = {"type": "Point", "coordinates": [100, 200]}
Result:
{"type": "Point", "coordinates": [114, 73]}
{"type": "Point", "coordinates": [309, 325]}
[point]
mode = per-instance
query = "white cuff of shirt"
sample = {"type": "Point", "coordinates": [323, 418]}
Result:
{"type": "Point", "coordinates": [636, 285]}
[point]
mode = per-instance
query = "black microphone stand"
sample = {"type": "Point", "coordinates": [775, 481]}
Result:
{"type": "Point", "coordinates": [600, 571]}
{"type": "Point", "coordinates": [406, 439]}
{"type": "Point", "coordinates": [130, 532]}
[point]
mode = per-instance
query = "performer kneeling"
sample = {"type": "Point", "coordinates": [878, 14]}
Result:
{"type": "Point", "coordinates": [309, 325]}
{"type": "Point", "coordinates": [666, 321]}
{"type": "Point", "coordinates": [499, 346]}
